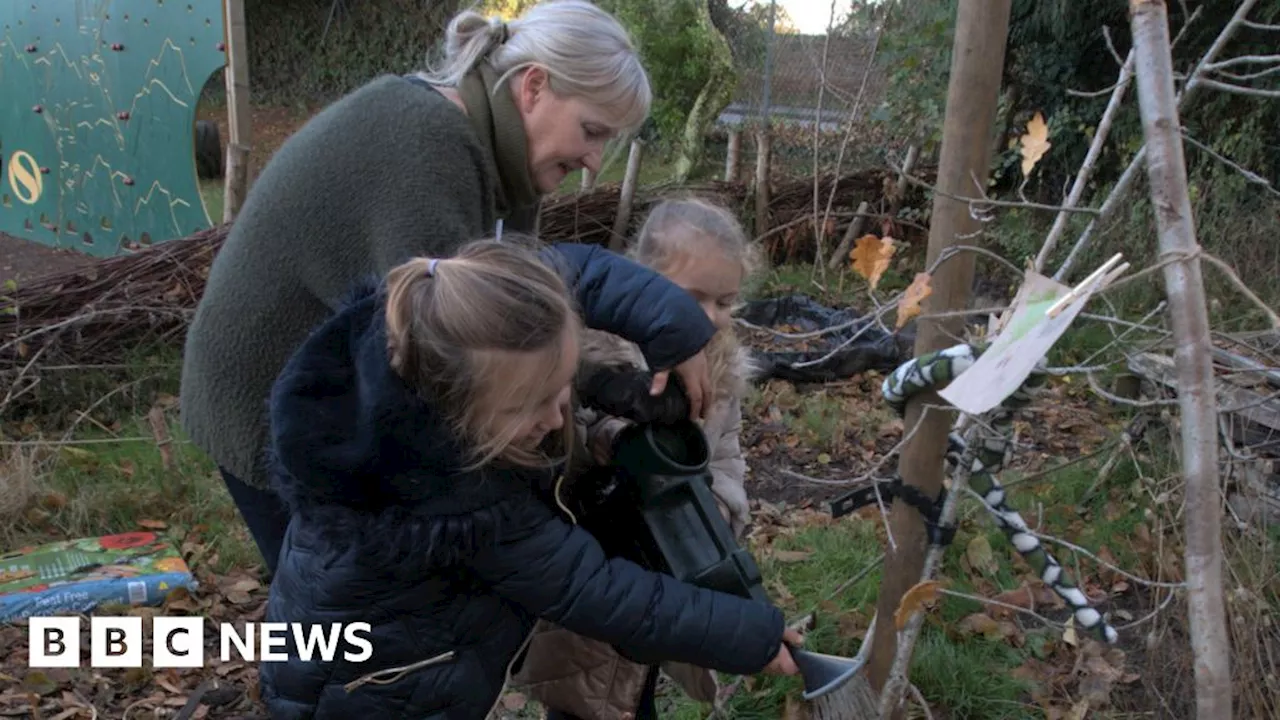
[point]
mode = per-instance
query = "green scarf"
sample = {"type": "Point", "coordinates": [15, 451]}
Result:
{"type": "Point", "coordinates": [497, 121]}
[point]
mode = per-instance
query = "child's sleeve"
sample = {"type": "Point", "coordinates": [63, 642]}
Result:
{"type": "Point", "coordinates": [559, 572]}
{"type": "Point", "coordinates": [627, 299]}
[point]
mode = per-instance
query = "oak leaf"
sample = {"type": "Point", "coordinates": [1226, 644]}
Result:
{"type": "Point", "coordinates": [909, 305]}
{"type": "Point", "coordinates": [871, 257]}
{"type": "Point", "coordinates": [1034, 144]}
{"type": "Point", "coordinates": [914, 600]}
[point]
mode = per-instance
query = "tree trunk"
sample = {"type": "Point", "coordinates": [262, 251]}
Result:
{"type": "Point", "coordinates": [1189, 317]}
{"type": "Point", "coordinates": [714, 97]}
{"type": "Point", "coordinates": [982, 28]}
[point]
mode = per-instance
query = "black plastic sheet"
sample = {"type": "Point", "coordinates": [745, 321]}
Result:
{"type": "Point", "coordinates": [874, 349]}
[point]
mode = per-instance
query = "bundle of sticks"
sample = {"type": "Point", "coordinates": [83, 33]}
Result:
{"type": "Point", "coordinates": [99, 313]}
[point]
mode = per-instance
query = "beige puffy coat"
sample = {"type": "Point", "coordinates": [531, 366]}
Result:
{"type": "Point", "coordinates": [588, 678]}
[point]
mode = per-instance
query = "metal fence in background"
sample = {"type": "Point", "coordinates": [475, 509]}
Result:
{"type": "Point", "coordinates": [795, 82]}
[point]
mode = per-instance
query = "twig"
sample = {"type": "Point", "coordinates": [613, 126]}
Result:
{"type": "Point", "coordinates": [1248, 174]}
{"type": "Point", "coordinates": [1151, 615]}
{"type": "Point", "coordinates": [999, 603]}
{"type": "Point", "coordinates": [853, 116]}
{"type": "Point", "coordinates": [1130, 174]}
{"type": "Point", "coordinates": [989, 201]}
{"type": "Point", "coordinates": [1091, 158]}
{"type": "Point", "coordinates": [1244, 289]}
{"type": "Point", "coordinates": [386, 676]}
{"type": "Point", "coordinates": [919, 698]}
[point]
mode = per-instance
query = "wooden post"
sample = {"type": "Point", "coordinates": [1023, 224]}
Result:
{"type": "Point", "coordinates": [629, 182]}
{"type": "Point", "coordinates": [977, 58]}
{"type": "Point", "coordinates": [238, 111]}
{"type": "Point", "coordinates": [900, 188]}
{"type": "Point", "coordinates": [762, 181]}
{"type": "Point", "coordinates": [731, 156]}
{"type": "Point", "coordinates": [852, 233]}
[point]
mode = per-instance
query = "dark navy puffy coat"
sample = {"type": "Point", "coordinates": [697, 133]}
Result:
{"type": "Point", "coordinates": [387, 530]}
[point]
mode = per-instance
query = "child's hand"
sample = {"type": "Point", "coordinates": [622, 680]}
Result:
{"type": "Point", "coordinates": [696, 374]}
{"type": "Point", "coordinates": [782, 663]}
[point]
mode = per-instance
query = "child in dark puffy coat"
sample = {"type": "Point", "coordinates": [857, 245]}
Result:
{"type": "Point", "coordinates": [418, 438]}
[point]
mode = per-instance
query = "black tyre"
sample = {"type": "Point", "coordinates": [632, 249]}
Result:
{"type": "Point", "coordinates": [208, 150]}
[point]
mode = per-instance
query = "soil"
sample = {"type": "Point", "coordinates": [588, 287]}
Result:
{"type": "Point", "coordinates": [24, 260]}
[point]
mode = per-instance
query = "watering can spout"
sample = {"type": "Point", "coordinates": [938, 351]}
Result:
{"type": "Point", "coordinates": [823, 673]}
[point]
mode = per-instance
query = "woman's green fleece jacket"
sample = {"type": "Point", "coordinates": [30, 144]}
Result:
{"type": "Point", "coordinates": [391, 171]}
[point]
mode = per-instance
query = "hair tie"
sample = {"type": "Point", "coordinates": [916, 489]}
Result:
{"type": "Point", "coordinates": [503, 32]}
{"type": "Point", "coordinates": [431, 267]}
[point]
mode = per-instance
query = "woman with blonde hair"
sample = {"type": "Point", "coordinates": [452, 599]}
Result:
{"type": "Point", "coordinates": [404, 166]}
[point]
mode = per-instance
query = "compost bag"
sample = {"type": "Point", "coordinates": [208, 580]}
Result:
{"type": "Point", "coordinates": [874, 349]}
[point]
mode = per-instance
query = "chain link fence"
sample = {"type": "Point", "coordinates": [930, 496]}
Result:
{"type": "Point", "coordinates": [799, 84]}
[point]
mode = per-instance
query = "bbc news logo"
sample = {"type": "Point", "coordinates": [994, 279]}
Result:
{"type": "Point", "coordinates": [178, 642]}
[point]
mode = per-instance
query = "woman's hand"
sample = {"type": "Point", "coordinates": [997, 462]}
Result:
{"type": "Point", "coordinates": [696, 376]}
{"type": "Point", "coordinates": [783, 664]}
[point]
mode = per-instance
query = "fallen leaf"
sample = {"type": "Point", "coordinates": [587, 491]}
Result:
{"type": "Point", "coordinates": [1069, 635]}
{"type": "Point", "coordinates": [792, 556]}
{"type": "Point", "coordinates": [244, 585]}
{"type": "Point", "coordinates": [824, 458]}
{"type": "Point", "coordinates": [53, 500]}
{"type": "Point", "coordinates": [914, 600]}
{"type": "Point", "coordinates": [514, 701]}
{"type": "Point", "coordinates": [980, 557]}
{"type": "Point", "coordinates": [871, 257]}
{"type": "Point", "coordinates": [126, 468]}
{"type": "Point", "coordinates": [153, 524]}
{"type": "Point", "coordinates": [1034, 144]}
{"type": "Point", "coordinates": [978, 624]}
{"type": "Point", "coordinates": [909, 305]}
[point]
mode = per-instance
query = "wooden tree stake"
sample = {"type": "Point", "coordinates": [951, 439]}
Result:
{"type": "Point", "coordinates": [731, 156]}
{"type": "Point", "coordinates": [238, 112]}
{"type": "Point", "coordinates": [977, 59]}
{"type": "Point", "coordinates": [762, 181]}
{"type": "Point", "coordinates": [629, 182]}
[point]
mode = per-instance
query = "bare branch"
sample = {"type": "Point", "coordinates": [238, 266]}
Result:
{"type": "Point", "coordinates": [1260, 26]}
{"type": "Point", "coordinates": [1248, 174]}
{"type": "Point", "coordinates": [1244, 289]}
{"type": "Point", "coordinates": [1243, 60]}
{"type": "Point", "coordinates": [1240, 90]}
{"type": "Point", "coordinates": [1123, 185]}
{"type": "Point", "coordinates": [1091, 158]}
{"type": "Point", "coordinates": [988, 201]}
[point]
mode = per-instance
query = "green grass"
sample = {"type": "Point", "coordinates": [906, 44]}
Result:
{"type": "Point", "coordinates": [82, 460]}
{"type": "Point", "coordinates": [212, 192]}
